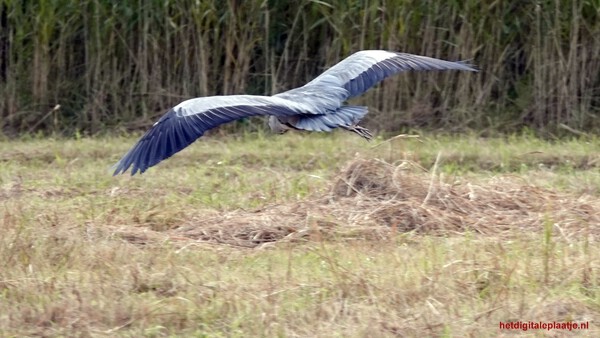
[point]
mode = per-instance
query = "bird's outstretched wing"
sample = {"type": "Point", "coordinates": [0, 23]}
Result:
{"type": "Point", "coordinates": [186, 122]}
{"type": "Point", "coordinates": [362, 70]}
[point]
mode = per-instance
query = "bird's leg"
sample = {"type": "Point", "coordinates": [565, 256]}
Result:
{"type": "Point", "coordinates": [362, 131]}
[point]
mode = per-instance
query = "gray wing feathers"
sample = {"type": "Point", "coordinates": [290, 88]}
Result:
{"type": "Point", "coordinates": [321, 98]}
{"type": "Point", "coordinates": [362, 70]}
{"type": "Point", "coordinates": [212, 106]}
{"type": "Point", "coordinates": [344, 116]}
{"type": "Point", "coordinates": [189, 120]}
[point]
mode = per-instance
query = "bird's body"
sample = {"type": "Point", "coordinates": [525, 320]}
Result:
{"type": "Point", "coordinates": [316, 106]}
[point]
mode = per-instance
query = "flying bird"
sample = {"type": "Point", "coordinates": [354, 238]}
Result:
{"type": "Point", "coordinates": [316, 106]}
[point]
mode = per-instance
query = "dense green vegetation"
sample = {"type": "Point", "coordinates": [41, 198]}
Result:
{"type": "Point", "coordinates": [113, 64]}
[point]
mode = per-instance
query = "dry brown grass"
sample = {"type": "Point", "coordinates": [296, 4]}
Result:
{"type": "Point", "coordinates": [274, 237]}
{"type": "Point", "coordinates": [373, 199]}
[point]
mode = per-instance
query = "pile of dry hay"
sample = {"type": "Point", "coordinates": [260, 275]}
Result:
{"type": "Point", "coordinates": [372, 199]}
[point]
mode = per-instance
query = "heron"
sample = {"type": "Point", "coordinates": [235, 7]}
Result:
{"type": "Point", "coordinates": [317, 106]}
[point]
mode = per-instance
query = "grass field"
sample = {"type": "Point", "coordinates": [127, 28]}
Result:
{"type": "Point", "coordinates": [300, 235]}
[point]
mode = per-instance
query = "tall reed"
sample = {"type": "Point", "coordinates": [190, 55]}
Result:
{"type": "Point", "coordinates": [110, 64]}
